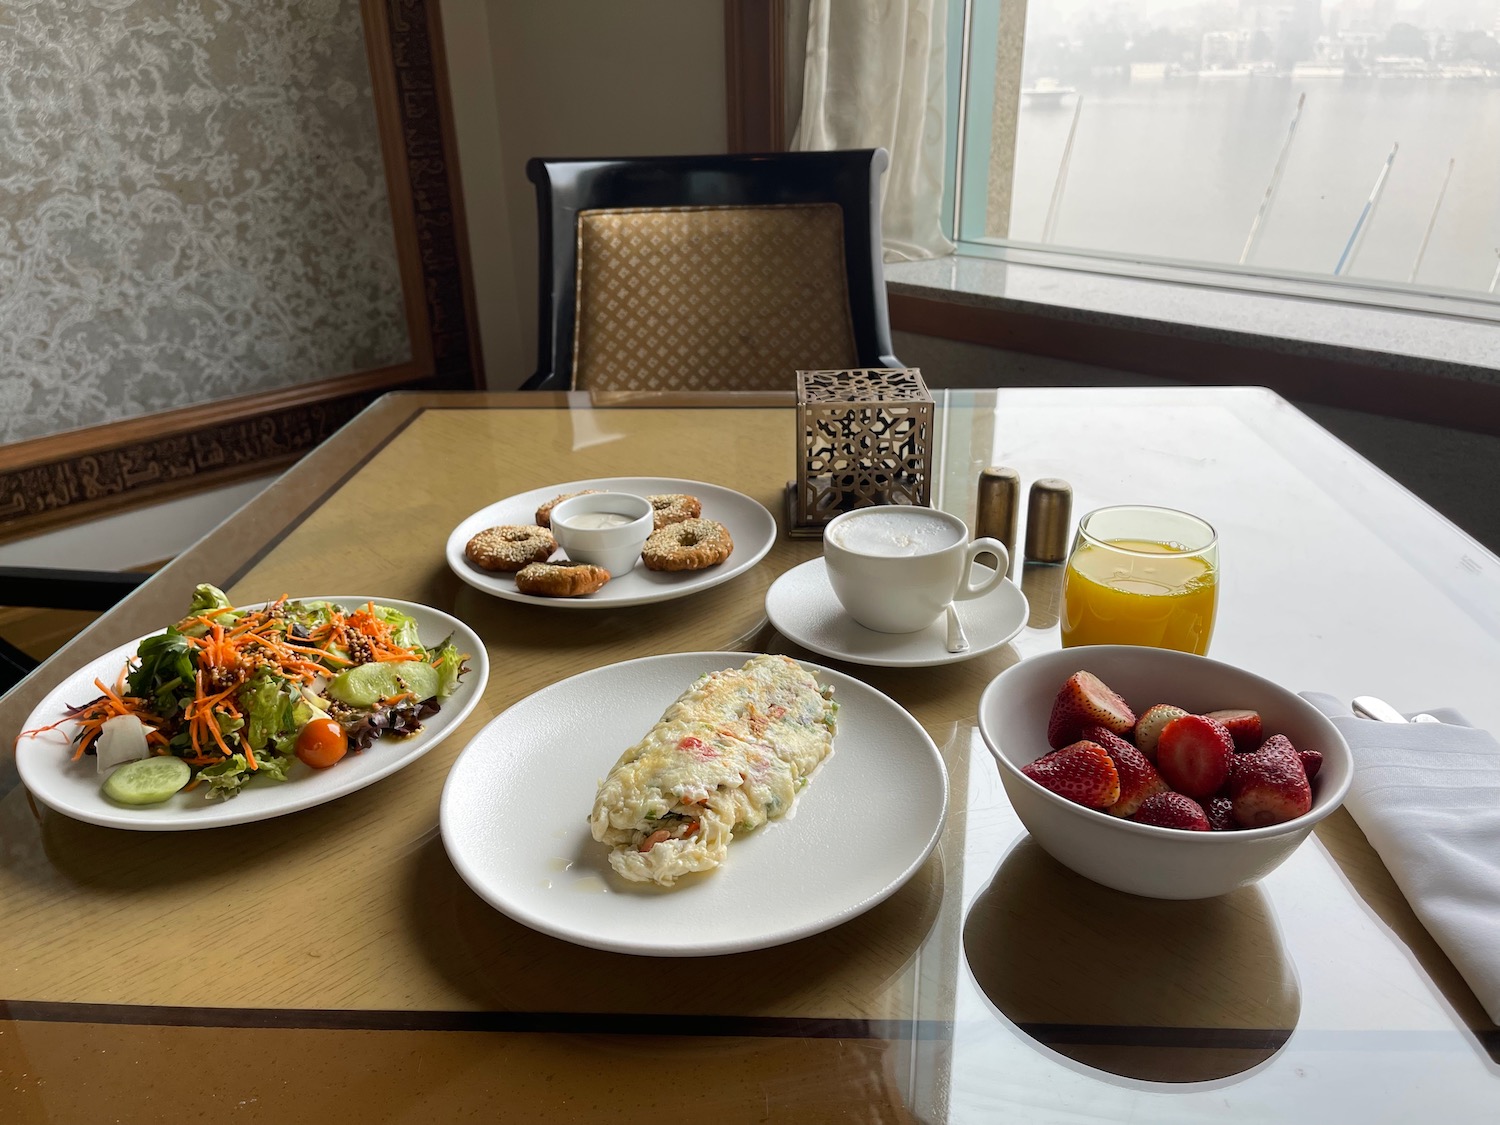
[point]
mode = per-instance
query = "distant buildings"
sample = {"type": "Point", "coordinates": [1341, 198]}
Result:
{"type": "Point", "coordinates": [1295, 38]}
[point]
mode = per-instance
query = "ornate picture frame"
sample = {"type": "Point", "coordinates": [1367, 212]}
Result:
{"type": "Point", "coordinates": [64, 478]}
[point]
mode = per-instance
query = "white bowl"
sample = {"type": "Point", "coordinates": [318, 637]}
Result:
{"type": "Point", "coordinates": [1142, 858]}
{"type": "Point", "coordinates": [617, 548]}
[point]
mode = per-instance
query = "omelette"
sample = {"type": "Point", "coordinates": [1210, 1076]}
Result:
{"type": "Point", "coordinates": [730, 754]}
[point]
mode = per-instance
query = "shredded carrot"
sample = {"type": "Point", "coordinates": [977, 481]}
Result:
{"type": "Point", "coordinates": [224, 656]}
{"type": "Point", "coordinates": [112, 697]}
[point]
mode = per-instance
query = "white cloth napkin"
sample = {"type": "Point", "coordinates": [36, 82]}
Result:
{"type": "Point", "coordinates": [1427, 795]}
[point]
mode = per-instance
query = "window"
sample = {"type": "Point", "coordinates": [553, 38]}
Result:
{"type": "Point", "coordinates": [1342, 148]}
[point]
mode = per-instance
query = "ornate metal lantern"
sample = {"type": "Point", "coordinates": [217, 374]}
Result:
{"type": "Point", "coordinates": [865, 438]}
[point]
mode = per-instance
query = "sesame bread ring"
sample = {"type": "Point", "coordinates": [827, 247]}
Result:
{"type": "Point", "coordinates": [561, 580]}
{"type": "Point", "coordinates": [689, 545]}
{"type": "Point", "coordinates": [544, 513]}
{"type": "Point", "coordinates": [674, 507]}
{"type": "Point", "coordinates": [510, 547]}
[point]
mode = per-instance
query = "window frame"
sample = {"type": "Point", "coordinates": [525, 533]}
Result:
{"type": "Point", "coordinates": [1415, 388]}
{"type": "Point", "coordinates": [969, 103]}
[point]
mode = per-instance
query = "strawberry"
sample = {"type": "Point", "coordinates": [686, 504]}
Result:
{"type": "Point", "coordinates": [1138, 777]}
{"type": "Point", "coordinates": [1312, 762]}
{"type": "Point", "coordinates": [1085, 701]}
{"type": "Point", "coordinates": [1172, 810]}
{"type": "Point", "coordinates": [1082, 772]}
{"type": "Point", "coordinates": [1269, 786]}
{"type": "Point", "coordinates": [1243, 725]}
{"type": "Point", "coordinates": [1149, 727]}
{"type": "Point", "coordinates": [1220, 813]}
{"type": "Point", "coordinates": [1193, 755]}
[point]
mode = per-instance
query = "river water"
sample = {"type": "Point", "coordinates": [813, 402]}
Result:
{"type": "Point", "coordinates": [1178, 168]}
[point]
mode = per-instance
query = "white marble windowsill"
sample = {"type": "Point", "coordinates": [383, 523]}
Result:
{"type": "Point", "coordinates": [138, 537]}
{"type": "Point", "coordinates": [1422, 342]}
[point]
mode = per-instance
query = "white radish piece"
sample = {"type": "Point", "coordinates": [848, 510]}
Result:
{"type": "Point", "coordinates": [121, 739]}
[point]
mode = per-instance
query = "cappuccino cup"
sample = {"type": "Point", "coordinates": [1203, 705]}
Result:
{"type": "Point", "coordinates": [895, 569]}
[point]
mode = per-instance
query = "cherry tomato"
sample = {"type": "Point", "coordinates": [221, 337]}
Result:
{"type": "Point", "coordinates": [321, 743]}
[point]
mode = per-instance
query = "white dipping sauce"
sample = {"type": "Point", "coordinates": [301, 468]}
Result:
{"type": "Point", "coordinates": [591, 521]}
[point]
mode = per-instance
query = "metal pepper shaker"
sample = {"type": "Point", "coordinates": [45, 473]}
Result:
{"type": "Point", "coordinates": [998, 510]}
{"type": "Point", "coordinates": [1049, 520]}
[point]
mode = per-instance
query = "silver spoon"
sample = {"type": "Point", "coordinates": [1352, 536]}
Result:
{"type": "Point", "coordinates": [1378, 709]}
{"type": "Point", "coordinates": [957, 642]}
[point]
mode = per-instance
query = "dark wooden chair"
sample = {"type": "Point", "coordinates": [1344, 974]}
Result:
{"type": "Point", "coordinates": [55, 588]}
{"type": "Point", "coordinates": [727, 272]}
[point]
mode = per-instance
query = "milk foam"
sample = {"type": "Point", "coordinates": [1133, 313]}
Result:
{"type": "Point", "coordinates": [894, 533]}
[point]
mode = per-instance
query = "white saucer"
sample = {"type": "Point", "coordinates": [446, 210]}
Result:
{"type": "Point", "coordinates": [802, 606]}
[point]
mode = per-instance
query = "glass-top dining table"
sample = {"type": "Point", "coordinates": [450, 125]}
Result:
{"type": "Point", "coordinates": [331, 964]}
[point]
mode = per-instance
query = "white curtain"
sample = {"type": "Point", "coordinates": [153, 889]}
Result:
{"type": "Point", "coordinates": [875, 78]}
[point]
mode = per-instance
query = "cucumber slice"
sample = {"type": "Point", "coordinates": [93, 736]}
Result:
{"type": "Point", "coordinates": [148, 781]}
{"type": "Point", "coordinates": [365, 685]}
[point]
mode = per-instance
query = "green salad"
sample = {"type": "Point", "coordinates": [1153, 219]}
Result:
{"type": "Point", "coordinates": [227, 695]}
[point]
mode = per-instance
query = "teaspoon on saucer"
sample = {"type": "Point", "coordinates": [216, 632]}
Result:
{"type": "Point", "coordinates": [957, 642]}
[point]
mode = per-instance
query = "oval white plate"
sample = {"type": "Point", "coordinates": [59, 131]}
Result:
{"type": "Point", "coordinates": [73, 788]}
{"type": "Point", "coordinates": [752, 528]}
{"type": "Point", "coordinates": [803, 607]}
{"type": "Point", "coordinates": [515, 819]}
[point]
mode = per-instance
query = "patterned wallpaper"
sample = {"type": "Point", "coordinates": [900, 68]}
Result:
{"type": "Point", "coordinates": [192, 206]}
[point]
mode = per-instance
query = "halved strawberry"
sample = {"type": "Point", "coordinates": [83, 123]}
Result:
{"type": "Point", "coordinates": [1085, 701]}
{"type": "Point", "coordinates": [1220, 813]}
{"type": "Point", "coordinates": [1172, 810]}
{"type": "Point", "coordinates": [1138, 777]}
{"type": "Point", "coordinates": [1269, 786]}
{"type": "Point", "coordinates": [1149, 726]}
{"type": "Point", "coordinates": [1082, 772]}
{"type": "Point", "coordinates": [1243, 725]}
{"type": "Point", "coordinates": [1312, 762]}
{"type": "Point", "coordinates": [1193, 755]}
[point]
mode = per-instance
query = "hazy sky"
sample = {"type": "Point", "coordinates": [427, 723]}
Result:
{"type": "Point", "coordinates": [1430, 13]}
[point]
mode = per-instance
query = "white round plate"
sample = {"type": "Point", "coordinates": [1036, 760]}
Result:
{"type": "Point", "coordinates": [803, 608]}
{"type": "Point", "coordinates": [73, 788]}
{"type": "Point", "coordinates": [752, 528]}
{"type": "Point", "coordinates": [515, 819]}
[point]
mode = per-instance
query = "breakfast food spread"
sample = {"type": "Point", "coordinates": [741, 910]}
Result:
{"type": "Point", "coordinates": [729, 754]}
{"type": "Point", "coordinates": [1171, 768]}
{"type": "Point", "coordinates": [510, 547]}
{"type": "Point", "coordinates": [695, 544]}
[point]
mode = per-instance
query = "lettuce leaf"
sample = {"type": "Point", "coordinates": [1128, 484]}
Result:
{"type": "Point", "coordinates": [451, 667]}
{"type": "Point", "coordinates": [310, 615]}
{"type": "Point", "coordinates": [403, 628]}
{"type": "Point", "coordinates": [164, 671]}
{"type": "Point", "coordinates": [270, 706]}
{"type": "Point", "coordinates": [225, 778]}
{"type": "Point", "coordinates": [206, 599]}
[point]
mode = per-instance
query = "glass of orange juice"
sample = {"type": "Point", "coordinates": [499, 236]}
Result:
{"type": "Point", "coordinates": [1140, 575]}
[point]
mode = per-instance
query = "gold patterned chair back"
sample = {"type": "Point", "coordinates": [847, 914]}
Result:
{"type": "Point", "coordinates": [710, 298]}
